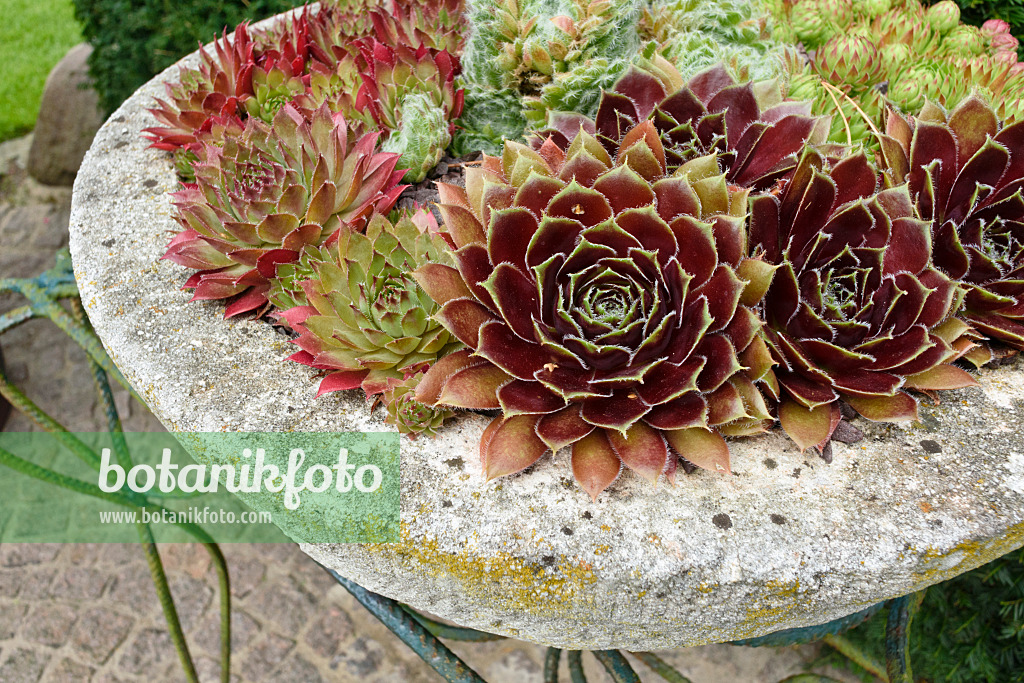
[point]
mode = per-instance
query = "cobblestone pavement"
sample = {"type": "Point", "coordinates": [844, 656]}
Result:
{"type": "Point", "coordinates": [90, 613]}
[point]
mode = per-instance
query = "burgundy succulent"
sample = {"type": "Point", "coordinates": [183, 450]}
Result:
{"type": "Point", "coordinates": [856, 310]}
{"type": "Point", "coordinates": [966, 173]}
{"type": "Point", "coordinates": [711, 114]}
{"type": "Point", "coordinates": [606, 306]}
{"type": "Point", "coordinates": [219, 87]}
{"type": "Point", "coordinates": [263, 196]}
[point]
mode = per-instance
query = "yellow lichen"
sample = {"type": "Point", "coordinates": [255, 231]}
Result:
{"type": "Point", "coordinates": [966, 555]}
{"type": "Point", "coordinates": [509, 582]}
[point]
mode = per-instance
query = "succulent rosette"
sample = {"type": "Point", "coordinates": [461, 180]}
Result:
{"type": "Point", "coordinates": [943, 16]}
{"type": "Point", "coordinates": [411, 94]}
{"type": "Point", "coordinates": [810, 25]}
{"type": "Point", "coordinates": [262, 197]}
{"type": "Point", "coordinates": [903, 25]}
{"type": "Point", "coordinates": [336, 86]}
{"type": "Point", "coordinates": [367, 322]}
{"type": "Point", "coordinates": [218, 87]}
{"type": "Point", "coordinates": [333, 31]}
{"type": "Point", "coordinates": [280, 71]}
{"type": "Point", "coordinates": [964, 40]}
{"type": "Point", "coordinates": [606, 306]}
{"type": "Point", "coordinates": [966, 173]}
{"type": "Point", "coordinates": [407, 414]}
{"type": "Point", "coordinates": [392, 71]}
{"type": "Point", "coordinates": [849, 59]}
{"type": "Point", "coordinates": [856, 310]}
{"type": "Point", "coordinates": [709, 115]}
{"type": "Point", "coordinates": [436, 24]}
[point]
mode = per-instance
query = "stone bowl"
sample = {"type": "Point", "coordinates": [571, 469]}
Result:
{"type": "Point", "coordinates": [785, 541]}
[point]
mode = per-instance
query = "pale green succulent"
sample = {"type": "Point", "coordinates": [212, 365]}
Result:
{"type": "Point", "coordinates": [409, 415]}
{"type": "Point", "coordinates": [422, 137]}
{"type": "Point", "coordinates": [810, 25]}
{"type": "Point", "coordinates": [488, 118]}
{"type": "Point", "coordinates": [696, 34]}
{"type": "Point", "coordinates": [552, 54]}
{"type": "Point", "coordinates": [871, 8]}
{"type": "Point", "coordinates": [943, 16]}
{"type": "Point", "coordinates": [366, 320]}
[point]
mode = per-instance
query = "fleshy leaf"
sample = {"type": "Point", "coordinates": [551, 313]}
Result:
{"type": "Point", "coordinates": [899, 408]}
{"type": "Point", "coordinates": [808, 427]}
{"type": "Point", "coordinates": [941, 377]}
{"type": "Point", "coordinates": [704, 448]}
{"type": "Point", "coordinates": [594, 463]}
{"type": "Point", "coordinates": [641, 449]}
{"type": "Point", "coordinates": [512, 447]}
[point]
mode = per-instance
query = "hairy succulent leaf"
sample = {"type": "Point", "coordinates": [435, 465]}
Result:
{"type": "Point", "coordinates": [411, 94]}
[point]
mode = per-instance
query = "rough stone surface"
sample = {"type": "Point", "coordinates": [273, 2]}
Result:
{"type": "Point", "coordinates": [107, 625]}
{"type": "Point", "coordinates": [644, 567]}
{"type": "Point", "coordinates": [69, 115]}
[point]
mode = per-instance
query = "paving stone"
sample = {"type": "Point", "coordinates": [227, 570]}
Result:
{"type": "Point", "coordinates": [68, 671]}
{"type": "Point", "coordinates": [11, 615]}
{"type": "Point", "coordinates": [208, 670]}
{"type": "Point", "coordinates": [49, 624]}
{"type": "Point", "coordinates": [247, 571]}
{"type": "Point", "coordinates": [314, 577]}
{"type": "Point", "coordinates": [362, 659]}
{"type": "Point", "coordinates": [150, 649]}
{"type": "Point", "coordinates": [25, 554]}
{"type": "Point", "coordinates": [517, 665]}
{"type": "Point", "coordinates": [132, 588]}
{"type": "Point", "coordinates": [284, 606]}
{"type": "Point", "coordinates": [112, 678]}
{"type": "Point", "coordinates": [36, 583]}
{"type": "Point", "coordinates": [22, 666]}
{"type": "Point", "coordinates": [121, 555]}
{"type": "Point", "coordinates": [263, 656]}
{"type": "Point", "coordinates": [10, 582]}
{"type": "Point", "coordinates": [186, 558]}
{"type": "Point", "coordinates": [80, 583]}
{"type": "Point", "coordinates": [244, 630]}
{"type": "Point", "coordinates": [83, 553]}
{"type": "Point", "coordinates": [98, 633]}
{"type": "Point", "coordinates": [54, 232]}
{"type": "Point", "coordinates": [191, 598]}
{"type": "Point", "coordinates": [326, 635]}
{"type": "Point", "coordinates": [295, 668]}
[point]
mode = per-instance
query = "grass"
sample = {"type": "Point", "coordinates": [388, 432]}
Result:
{"type": "Point", "coordinates": [34, 35]}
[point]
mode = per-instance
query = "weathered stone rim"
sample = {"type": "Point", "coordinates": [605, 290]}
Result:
{"type": "Point", "coordinates": [785, 542]}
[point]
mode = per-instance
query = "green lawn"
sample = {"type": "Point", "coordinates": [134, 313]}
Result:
{"type": "Point", "coordinates": [34, 35]}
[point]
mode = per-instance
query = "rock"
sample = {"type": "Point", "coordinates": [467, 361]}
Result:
{"type": "Point", "coordinates": [786, 541]}
{"type": "Point", "coordinates": [14, 154]}
{"type": "Point", "coordinates": [69, 117]}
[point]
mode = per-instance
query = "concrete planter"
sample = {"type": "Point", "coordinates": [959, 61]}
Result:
{"type": "Point", "coordinates": [786, 541]}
